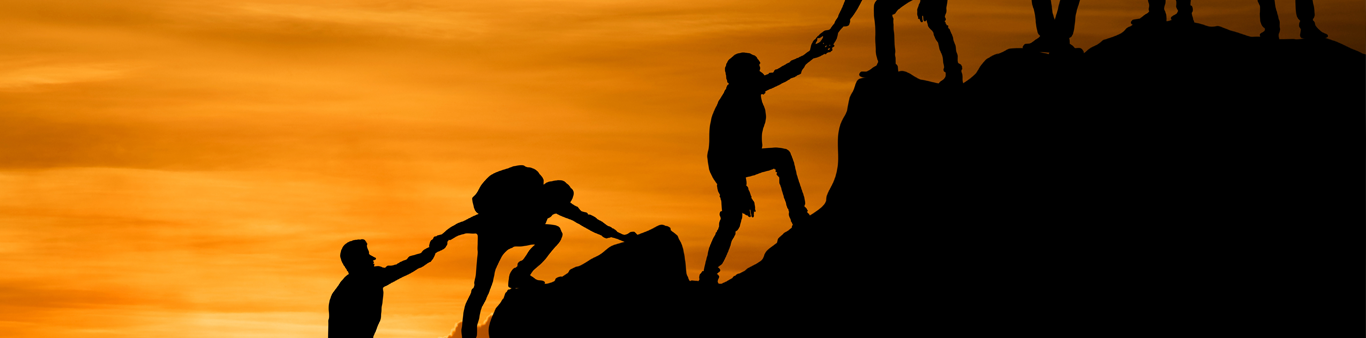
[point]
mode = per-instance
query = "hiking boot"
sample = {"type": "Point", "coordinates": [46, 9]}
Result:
{"type": "Point", "coordinates": [953, 75]}
{"type": "Point", "coordinates": [1183, 17]}
{"type": "Point", "coordinates": [1150, 18]}
{"type": "Point", "coordinates": [1310, 31]}
{"type": "Point", "coordinates": [879, 71]}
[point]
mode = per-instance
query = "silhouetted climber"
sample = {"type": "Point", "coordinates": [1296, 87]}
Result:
{"type": "Point", "coordinates": [1055, 33]}
{"type": "Point", "coordinates": [1157, 12]}
{"type": "Point", "coordinates": [736, 151]}
{"type": "Point", "coordinates": [513, 206]}
{"type": "Point", "coordinates": [1304, 10]}
{"type": "Point", "coordinates": [354, 309]}
{"type": "Point", "coordinates": [930, 11]}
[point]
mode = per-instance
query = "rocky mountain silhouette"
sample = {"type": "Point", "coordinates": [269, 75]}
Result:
{"type": "Point", "coordinates": [1156, 180]}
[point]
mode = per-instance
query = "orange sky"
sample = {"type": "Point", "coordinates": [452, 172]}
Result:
{"type": "Point", "coordinates": [174, 168]}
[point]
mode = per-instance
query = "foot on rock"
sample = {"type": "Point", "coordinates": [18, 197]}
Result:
{"type": "Point", "coordinates": [952, 76]}
{"type": "Point", "coordinates": [1310, 31]}
{"type": "Point", "coordinates": [709, 277]}
{"type": "Point", "coordinates": [879, 71]}
{"type": "Point", "coordinates": [1150, 18]}
{"type": "Point", "coordinates": [1183, 18]}
{"type": "Point", "coordinates": [521, 281]}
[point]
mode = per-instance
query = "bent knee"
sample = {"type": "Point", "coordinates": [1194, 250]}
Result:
{"type": "Point", "coordinates": [551, 232]}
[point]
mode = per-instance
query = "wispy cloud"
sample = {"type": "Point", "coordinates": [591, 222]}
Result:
{"type": "Point", "coordinates": [30, 75]}
{"type": "Point", "coordinates": [413, 22]}
{"type": "Point", "coordinates": [483, 331]}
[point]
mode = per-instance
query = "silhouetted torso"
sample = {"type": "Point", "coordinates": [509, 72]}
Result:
{"type": "Point", "coordinates": [737, 124]}
{"type": "Point", "coordinates": [354, 310]}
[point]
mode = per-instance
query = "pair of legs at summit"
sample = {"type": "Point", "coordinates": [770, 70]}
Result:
{"type": "Point", "coordinates": [1271, 22]}
{"type": "Point", "coordinates": [884, 41]}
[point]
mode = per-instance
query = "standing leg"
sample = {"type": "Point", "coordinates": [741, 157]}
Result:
{"type": "Point", "coordinates": [544, 239]}
{"type": "Point", "coordinates": [1043, 18]}
{"type": "Point", "coordinates": [934, 11]}
{"type": "Point", "coordinates": [1183, 12]}
{"type": "Point", "coordinates": [1065, 23]}
{"type": "Point", "coordinates": [735, 201]}
{"type": "Point", "coordinates": [490, 251]}
{"type": "Point", "coordinates": [884, 36]}
{"type": "Point", "coordinates": [1043, 23]}
{"type": "Point", "coordinates": [1304, 10]}
{"type": "Point", "coordinates": [720, 247]}
{"type": "Point", "coordinates": [1271, 23]}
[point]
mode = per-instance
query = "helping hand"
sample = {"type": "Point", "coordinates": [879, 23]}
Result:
{"type": "Point", "coordinates": [828, 37]}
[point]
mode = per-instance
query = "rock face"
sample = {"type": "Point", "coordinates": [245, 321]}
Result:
{"type": "Point", "coordinates": [1154, 181]}
{"type": "Point", "coordinates": [633, 288]}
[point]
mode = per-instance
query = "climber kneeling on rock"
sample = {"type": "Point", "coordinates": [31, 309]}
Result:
{"type": "Point", "coordinates": [513, 205]}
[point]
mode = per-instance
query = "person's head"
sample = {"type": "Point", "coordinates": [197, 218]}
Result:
{"type": "Point", "coordinates": [554, 195]}
{"type": "Point", "coordinates": [355, 255]}
{"type": "Point", "coordinates": [558, 192]}
{"type": "Point", "coordinates": [743, 67]}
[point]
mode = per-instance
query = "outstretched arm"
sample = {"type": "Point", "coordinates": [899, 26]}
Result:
{"type": "Point", "coordinates": [793, 68]}
{"type": "Point", "coordinates": [392, 273]}
{"type": "Point", "coordinates": [589, 222]}
{"type": "Point", "coordinates": [467, 226]}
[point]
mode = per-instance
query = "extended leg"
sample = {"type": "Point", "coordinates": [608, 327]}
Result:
{"type": "Point", "coordinates": [720, 247]}
{"type": "Point", "coordinates": [1066, 21]}
{"type": "Point", "coordinates": [780, 160]}
{"type": "Point", "coordinates": [489, 254]}
{"type": "Point", "coordinates": [1043, 17]}
{"type": "Point", "coordinates": [884, 36]}
{"type": "Point", "coordinates": [544, 240]}
{"type": "Point", "coordinates": [1304, 10]}
{"type": "Point", "coordinates": [934, 11]}
{"type": "Point", "coordinates": [1271, 22]}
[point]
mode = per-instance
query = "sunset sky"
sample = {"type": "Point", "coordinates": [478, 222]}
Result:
{"type": "Point", "coordinates": [192, 168]}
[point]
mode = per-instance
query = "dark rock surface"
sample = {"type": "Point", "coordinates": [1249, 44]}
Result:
{"type": "Point", "coordinates": [1160, 179]}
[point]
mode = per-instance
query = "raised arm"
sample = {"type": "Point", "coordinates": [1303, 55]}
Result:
{"type": "Point", "coordinates": [467, 226]}
{"type": "Point", "coordinates": [846, 13]}
{"type": "Point", "coordinates": [793, 68]}
{"type": "Point", "coordinates": [589, 222]}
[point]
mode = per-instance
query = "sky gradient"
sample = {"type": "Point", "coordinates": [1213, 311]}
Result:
{"type": "Point", "coordinates": [174, 168]}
